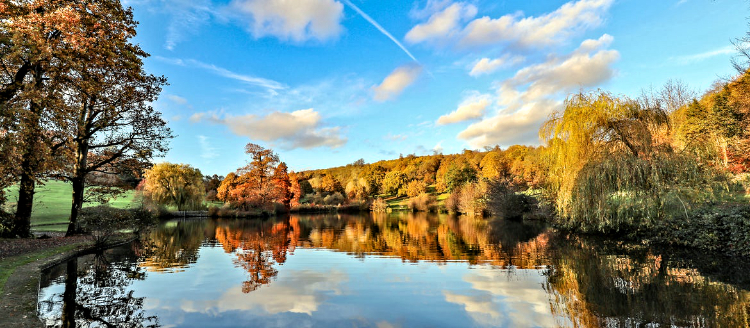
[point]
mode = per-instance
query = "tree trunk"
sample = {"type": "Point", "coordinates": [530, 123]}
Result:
{"type": "Point", "coordinates": [75, 210]}
{"type": "Point", "coordinates": [30, 163]}
{"type": "Point", "coordinates": [22, 224]}
{"type": "Point", "coordinates": [79, 179]}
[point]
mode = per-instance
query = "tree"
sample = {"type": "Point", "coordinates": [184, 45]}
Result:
{"type": "Point", "coordinates": [37, 40]}
{"type": "Point", "coordinates": [415, 187]}
{"type": "Point", "coordinates": [256, 183]}
{"type": "Point", "coordinates": [607, 172]}
{"type": "Point", "coordinates": [74, 77]}
{"type": "Point", "coordinates": [223, 193]}
{"type": "Point", "coordinates": [283, 184]}
{"type": "Point", "coordinates": [110, 122]}
{"type": "Point", "coordinates": [725, 124]}
{"type": "Point", "coordinates": [459, 175]}
{"type": "Point", "coordinates": [373, 175]}
{"type": "Point", "coordinates": [295, 190]}
{"type": "Point", "coordinates": [493, 165]}
{"type": "Point", "coordinates": [394, 183]}
{"type": "Point", "coordinates": [330, 184]}
{"type": "Point", "coordinates": [175, 184]}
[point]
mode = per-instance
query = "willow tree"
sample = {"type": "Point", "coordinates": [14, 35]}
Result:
{"type": "Point", "coordinates": [607, 172]}
{"type": "Point", "coordinates": [180, 185]}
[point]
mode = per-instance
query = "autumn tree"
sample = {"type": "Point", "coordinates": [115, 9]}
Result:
{"type": "Point", "coordinates": [110, 122]}
{"type": "Point", "coordinates": [175, 184]}
{"type": "Point", "coordinates": [283, 184]}
{"type": "Point", "coordinates": [37, 41]}
{"type": "Point", "coordinates": [330, 184]}
{"type": "Point", "coordinates": [295, 189]}
{"type": "Point", "coordinates": [263, 181]}
{"type": "Point", "coordinates": [493, 165]}
{"type": "Point", "coordinates": [394, 183]}
{"type": "Point", "coordinates": [608, 173]}
{"type": "Point", "coordinates": [373, 175]}
{"type": "Point", "coordinates": [223, 192]}
{"type": "Point", "coordinates": [459, 174]}
{"type": "Point", "coordinates": [415, 188]}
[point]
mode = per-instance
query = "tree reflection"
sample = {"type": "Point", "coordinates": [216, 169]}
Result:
{"type": "Point", "coordinates": [259, 246]}
{"type": "Point", "coordinates": [172, 246]}
{"type": "Point", "coordinates": [97, 295]}
{"type": "Point", "coordinates": [594, 284]}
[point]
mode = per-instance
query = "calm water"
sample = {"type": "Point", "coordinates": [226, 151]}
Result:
{"type": "Point", "coordinates": [399, 270]}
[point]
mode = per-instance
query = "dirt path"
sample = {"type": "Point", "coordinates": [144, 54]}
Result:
{"type": "Point", "coordinates": [18, 301]}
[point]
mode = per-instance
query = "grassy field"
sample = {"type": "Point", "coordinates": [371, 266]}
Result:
{"type": "Point", "coordinates": [52, 203]}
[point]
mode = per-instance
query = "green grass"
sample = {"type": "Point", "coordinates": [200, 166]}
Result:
{"type": "Point", "coordinates": [9, 265]}
{"type": "Point", "coordinates": [52, 203]}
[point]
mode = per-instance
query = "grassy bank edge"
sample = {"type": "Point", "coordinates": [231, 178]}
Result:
{"type": "Point", "coordinates": [19, 285]}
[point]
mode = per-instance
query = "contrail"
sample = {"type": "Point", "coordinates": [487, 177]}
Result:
{"type": "Point", "coordinates": [380, 28]}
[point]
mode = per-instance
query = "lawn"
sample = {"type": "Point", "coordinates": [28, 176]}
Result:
{"type": "Point", "coordinates": [52, 203]}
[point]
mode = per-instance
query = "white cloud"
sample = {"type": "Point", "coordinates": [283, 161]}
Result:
{"type": "Point", "coordinates": [207, 150]}
{"type": "Point", "coordinates": [438, 147]}
{"type": "Point", "coordinates": [473, 107]}
{"type": "Point", "coordinates": [395, 137]}
{"type": "Point", "coordinates": [694, 58]}
{"type": "Point", "coordinates": [296, 20]}
{"type": "Point", "coordinates": [544, 30]}
{"type": "Point", "coordinates": [396, 82]}
{"type": "Point", "coordinates": [300, 292]}
{"type": "Point", "coordinates": [298, 129]}
{"type": "Point", "coordinates": [525, 302]}
{"type": "Point", "coordinates": [431, 7]}
{"type": "Point", "coordinates": [487, 66]}
{"type": "Point", "coordinates": [515, 30]}
{"type": "Point", "coordinates": [177, 99]}
{"type": "Point", "coordinates": [187, 17]}
{"type": "Point", "coordinates": [270, 85]}
{"type": "Point", "coordinates": [533, 93]}
{"type": "Point", "coordinates": [475, 304]}
{"type": "Point", "coordinates": [443, 24]}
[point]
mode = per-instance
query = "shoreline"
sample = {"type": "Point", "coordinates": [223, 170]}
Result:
{"type": "Point", "coordinates": [18, 304]}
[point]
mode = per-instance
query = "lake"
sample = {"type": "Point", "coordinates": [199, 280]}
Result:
{"type": "Point", "coordinates": [391, 270]}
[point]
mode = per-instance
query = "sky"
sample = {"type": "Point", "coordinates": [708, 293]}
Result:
{"type": "Point", "coordinates": [327, 82]}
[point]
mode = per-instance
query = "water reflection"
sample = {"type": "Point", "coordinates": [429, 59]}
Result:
{"type": "Point", "coordinates": [391, 270]}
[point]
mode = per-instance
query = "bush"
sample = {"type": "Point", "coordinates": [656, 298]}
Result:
{"type": "Point", "coordinates": [471, 198]}
{"type": "Point", "coordinates": [451, 203]}
{"type": "Point", "coordinates": [503, 201]}
{"type": "Point", "coordinates": [379, 206]}
{"type": "Point", "coordinates": [415, 188]}
{"type": "Point", "coordinates": [103, 222]}
{"type": "Point", "coordinates": [334, 199]}
{"type": "Point", "coordinates": [424, 202]}
{"type": "Point", "coordinates": [725, 228]}
{"type": "Point", "coordinates": [6, 225]}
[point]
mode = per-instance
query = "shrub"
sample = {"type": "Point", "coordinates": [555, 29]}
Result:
{"type": "Point", "coordinates": [424, 202]}
{"type": "Point", "coordinates": [503, 200]}
{"type": "Point", "coordinates": [451, 203]}
{"type": "Point", "coordinates": [6, 225]}
{"type": "Point", "coordinates": [334, 199]}
{"type": "Point", "coordinates": [379, 206]}
{"type": "Point", "coordinates": [103, 222]}
{"type": "Point", "coordinates": [471, 198]}
{"type": "Point", "coordinates": [725, 228]}
{"type": "Point", "coordinates": [415, 188]}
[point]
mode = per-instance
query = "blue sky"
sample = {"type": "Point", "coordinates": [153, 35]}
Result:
{"type": "Point", "coordinates": [326, 82]}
